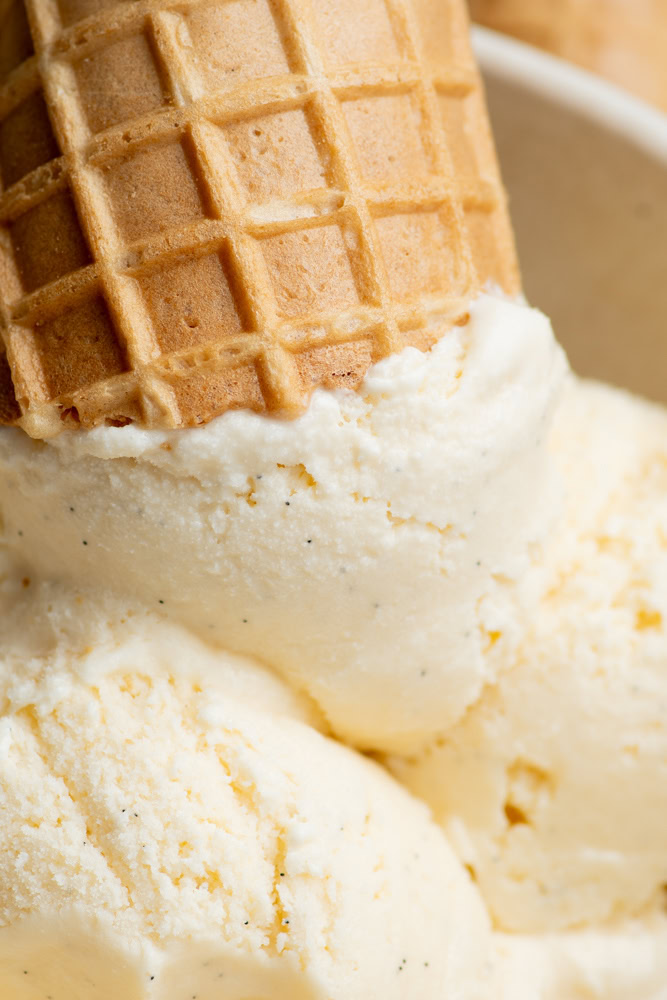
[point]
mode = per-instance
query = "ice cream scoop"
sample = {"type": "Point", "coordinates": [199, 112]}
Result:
{"type": "Point", "coordinates": [213, 211]}
{"type": "Point", "coordinates": [351, 549]}
{"type": "Point", "coordinates": [553, 785]}
{"type": "Point", "coordinates": [170, 831]}
{"type": "Point", "coordinates": [623, 960]}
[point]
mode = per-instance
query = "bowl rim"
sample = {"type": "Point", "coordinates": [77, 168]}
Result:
{"type": "Point", "coordinates": [572, 87]}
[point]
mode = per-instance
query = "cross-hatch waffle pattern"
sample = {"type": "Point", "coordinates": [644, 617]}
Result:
{"type": "Point", "coordinates": [208, 205]}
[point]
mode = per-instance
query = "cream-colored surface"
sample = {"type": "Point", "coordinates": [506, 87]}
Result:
{"type": "Point", "coordinates": [620, 961]}
{"type": "Point", "coordinates": [54, 637]}
{"type": "Point", "coordinates": [554, 786]}
{"type": "Point", "coordinates": [585, 166]}
{"type": "Point", "coordinates": [105, 701]}
{"type": "Point", "coordinates": [164, 836]}
{"type": "Point", "coordinates": [106, 708]}
{"type": "Point", "coordinates": [350, 549]}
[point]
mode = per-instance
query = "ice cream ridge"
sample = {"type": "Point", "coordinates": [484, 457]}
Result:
{"type": "Point", "coordinates": [299, 505]}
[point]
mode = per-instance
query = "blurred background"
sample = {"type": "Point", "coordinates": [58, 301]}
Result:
{"type": "Point", "coordinates": [586, 173]}
{"type": "Point", "coordinates": [623, 40]}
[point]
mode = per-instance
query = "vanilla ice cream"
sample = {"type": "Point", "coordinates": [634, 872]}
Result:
{"type": "Point", "coordinates": [620, 961]}
{"type": "Point", "coordinates": [169, 831]}
{"type": "Point", "coordinates": [351, 549]}
{"type": "Point", "coordinates": [553, 787]}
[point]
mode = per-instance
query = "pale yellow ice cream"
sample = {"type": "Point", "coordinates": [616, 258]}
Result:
{"type": "Point", "coordinates": [351, 549]}
{"type": "Point", "coordinates": [171, 831]}
{"type": "Point", "coordinates": [553, 788]}
{"type": "Point", "coordinates": [108, 712]}
{"type": "Point", "coordinates": [174, 821]}
{"type": "Point", "coordinates": [620, 961]}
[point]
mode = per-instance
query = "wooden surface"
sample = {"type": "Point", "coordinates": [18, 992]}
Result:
{"type": "Point", "coordinates": [623, 40]}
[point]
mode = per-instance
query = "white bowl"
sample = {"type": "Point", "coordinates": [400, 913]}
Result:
{"type": "Point", "coordinates": [586, 169]}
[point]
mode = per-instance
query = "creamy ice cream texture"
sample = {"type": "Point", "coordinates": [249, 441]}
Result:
{"type": "Point", "coordinates": [549, 781]}
{"type": "Point", "coordinates": [553, 787]}
{"type": "Point", "coordinates": [438, 567]}
{"type": "Point", "coordinates": [353, 550]}
{"type": "Point", "coordinates": [170, 830]}
{"type": "Point", "coordinates": [166, 832]}
{"type": "Point", "coordinates": [621, 961]}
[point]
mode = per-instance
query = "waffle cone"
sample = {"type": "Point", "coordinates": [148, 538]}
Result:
{"type": "Point", "coordinates": [209, 204]}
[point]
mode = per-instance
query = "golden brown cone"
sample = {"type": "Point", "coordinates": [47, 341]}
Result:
{"type": "Point", "coordinates": [211, 204]}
